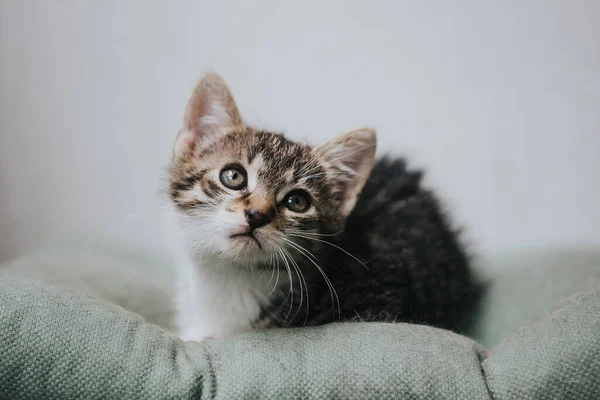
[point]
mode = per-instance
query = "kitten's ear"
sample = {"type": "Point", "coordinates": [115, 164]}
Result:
{"type": "Point", "coordinates": [349, 159]}
{"type": "Point", "coordinates": [211, 112]}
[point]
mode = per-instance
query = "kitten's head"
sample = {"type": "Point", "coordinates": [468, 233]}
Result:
{"type": "Point", "coordinates": [251, 196]}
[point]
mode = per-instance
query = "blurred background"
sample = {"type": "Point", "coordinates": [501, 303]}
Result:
{"type": "Point", "coordinates": [499, 101]}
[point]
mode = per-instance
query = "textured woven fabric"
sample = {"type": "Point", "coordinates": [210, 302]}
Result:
{"type": "Point", "coordinates": [138, 281]}
{"type": "Point", "coordinates": [554, 357]}
{"type": "Point", "coordinates": [58, 345]}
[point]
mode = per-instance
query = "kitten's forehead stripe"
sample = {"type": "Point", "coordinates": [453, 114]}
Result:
{"type": "Point", "coordinates": [280, 157]}
{"type": "Point", "coordinates": [251, 154]}
{"type": "Point", "coordinates": [253, 171]}
{"type": "Point", "coordinates": [289, 176]}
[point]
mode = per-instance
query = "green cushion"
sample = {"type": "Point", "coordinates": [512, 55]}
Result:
{"type": "Point", "coordinates": [137, 281]}
{"type": "Point", "coordinates": [56, 343]}
{"type": "Point", "coordinates": [528, 284]}
{"type": "Point", "coordinates": [59, 345]}
{"type": "Point", "coordinates": [554, 357]}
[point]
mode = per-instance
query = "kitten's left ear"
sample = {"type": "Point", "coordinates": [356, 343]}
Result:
{"type": "Point", "coordinates": [211, 112]}
{"type": "Point", "coordinates": [349, 159]}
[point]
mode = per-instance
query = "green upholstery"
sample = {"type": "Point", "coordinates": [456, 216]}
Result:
{"type": "Point", "coordinates": [56, 343]}
{"type": "Point", "coordinates": [554, 357]}
{"type": "Point", "coordinates": [526, 285]}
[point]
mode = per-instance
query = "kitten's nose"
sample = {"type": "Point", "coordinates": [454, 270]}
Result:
{"type": "Point", "coordinates": [257, 218]}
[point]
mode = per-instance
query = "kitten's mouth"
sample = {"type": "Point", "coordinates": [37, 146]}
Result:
{"type": "Point", "coordinates": [246, 236]}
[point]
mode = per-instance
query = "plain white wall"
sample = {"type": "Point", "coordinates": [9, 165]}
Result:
{"type": "Point", "coordinates": [500, 100]}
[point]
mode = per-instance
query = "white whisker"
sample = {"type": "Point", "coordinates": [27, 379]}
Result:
{"type": "Point", "coordinates": [313, 233]}
{"type": "Point", "coordinates": [300, 281]}
{"type": "Point", "coordinates": [331, 244]}
{"type": "Point", "coordinates": [288, 268]}
{"type": "Point", "coordinates": [332, 290]}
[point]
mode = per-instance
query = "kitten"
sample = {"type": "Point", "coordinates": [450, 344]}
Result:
{"type": "Point", "coordinates": [277, 233]}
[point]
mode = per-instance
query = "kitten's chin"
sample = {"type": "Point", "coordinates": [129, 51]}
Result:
{"type": "Point", "coordinates": [245, 239]}
{"type": "Point", "coordinates": [247, 250]}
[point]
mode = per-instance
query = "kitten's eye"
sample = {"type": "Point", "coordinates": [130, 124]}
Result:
{"type": "Point", "coordinates": [297, 201]}
{"type": "Point", "coordinates": [233, 178]}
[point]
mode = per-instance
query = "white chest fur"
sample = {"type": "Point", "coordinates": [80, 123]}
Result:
{"type": "Point", "coordinates": [216, 300]}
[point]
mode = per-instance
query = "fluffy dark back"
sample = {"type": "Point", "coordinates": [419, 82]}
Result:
{"type": "Point", "coordinates": [415, 269]}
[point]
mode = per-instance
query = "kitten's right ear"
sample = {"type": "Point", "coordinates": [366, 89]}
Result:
{"type": "Point", "coordinates": [349, 159]}
{"type": "Point", "coordinates": [211, 112]}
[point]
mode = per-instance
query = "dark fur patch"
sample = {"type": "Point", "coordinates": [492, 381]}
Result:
{"type": "Point", "coordinates": [211, 189]}
{"type": "Point", "coordinates": [416, 270]}
{"type": "Point", "coordinates": [184, 182]}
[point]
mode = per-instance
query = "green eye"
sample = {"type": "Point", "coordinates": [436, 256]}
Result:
{"type": "Point", "coordinates": [233, 178]}
{"type": "Point", "coordinates": [297, 201]}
